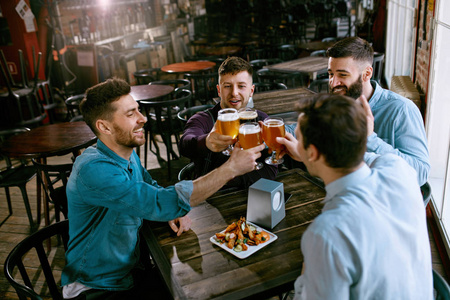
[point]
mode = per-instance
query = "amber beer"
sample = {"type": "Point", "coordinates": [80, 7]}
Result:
{"type": "Point", "coordinates": [273, 128]}
{"type": "Point", "coordinates": [228, 122]}
{"type": "Point", "coordinates": [247, 115]}
{"type": "Point", "coordinates": [250, 135]}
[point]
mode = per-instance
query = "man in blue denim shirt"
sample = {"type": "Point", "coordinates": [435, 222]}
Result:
{"type": "Point", "coordinates": [398, 125]}
{"type": "Point", "coordinates": [370, 240]}
{"type": "Point", "coordinates": [110, 193]}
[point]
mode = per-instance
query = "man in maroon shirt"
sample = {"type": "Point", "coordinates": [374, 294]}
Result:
{"type": "Point", "coordinates": [203, 144]}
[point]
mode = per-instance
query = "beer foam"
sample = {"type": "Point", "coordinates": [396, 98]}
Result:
{"type": "Point", "coordinates": [249, 129]}
{"type": "Point", "coordinates": [228, 117]}
{"type": "Point", "coordinates": [273, 123]}
{"type": "Point", "coordinates": [248, 115]}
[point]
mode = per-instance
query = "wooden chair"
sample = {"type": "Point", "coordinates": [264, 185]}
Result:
{"type": "Point", "coordinates": [269, 86]}
{"type": "Point", "coordinates": [204, 86]}
{"type": "Point", "coordinates": [178, 84]}
{"type": "Point", "coordinates": [26, 287]}
{"type": "Point", "coordinates": [17, 176]}
{"type": "Point", "coordinates": [187, 172]}
{"type": "Point", "coordinates": [53, 179]}
{"type": "Point", "coordinates": [185, 114]}
{"type": "Point", "coordinates": [162, 119]}
{"type": "Point", "coordinates": [73, 106]}
{"type": "Point", "coordinates": [145, 76]}
{"type": "Point", "coordinates": [322, 53]}
{"type": "Point", "coordinates": [378, 62]}
{"type": "Point", "coordinates": [441, 287]}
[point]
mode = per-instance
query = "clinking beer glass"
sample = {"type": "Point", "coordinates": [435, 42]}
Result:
{"type": "Point", "coordinates": [250, 136]}
{"type": "Point", "coordinates": [228, 124]}
{"type": "Point", "coordinates": [273, 127]}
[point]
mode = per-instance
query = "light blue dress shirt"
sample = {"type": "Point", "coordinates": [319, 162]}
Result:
{"type": "Point", "coordinates": [371, 239]}
{"type": "Point", "coordinates": [108, 198]}
{"type": "Point", "coordinates": [398, 129]}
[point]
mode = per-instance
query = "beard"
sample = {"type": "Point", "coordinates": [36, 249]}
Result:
{"type": "Point", "coordinates": [353, 91]}
{"type": "Point", "coordinates": [124, 138]}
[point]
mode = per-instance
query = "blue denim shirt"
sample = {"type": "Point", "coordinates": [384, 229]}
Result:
{"type": "Point", "coordinates": [398, 129]}
{"type": "Point", "coordinates": [108, 198]}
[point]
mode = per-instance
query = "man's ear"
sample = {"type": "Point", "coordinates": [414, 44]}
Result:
{"type": "Point", "coordinates": [103, 126]}
{"type": "Point", "coordinates": [313, 153]}
{"type": "Point", "coordinates": [367, 73]}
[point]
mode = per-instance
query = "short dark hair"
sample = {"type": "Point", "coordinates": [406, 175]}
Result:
{"type": "Point", "coordinates": [233, 65]}
{"type": "Point", "coordinates": [97, 103]}
{"type": "Point", "coordinates": [355, 47]}
{"type": "Point", "coordinates": [337, 126]}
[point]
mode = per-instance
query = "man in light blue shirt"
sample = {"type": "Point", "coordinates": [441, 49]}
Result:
{"type": "Point", "coordinates": [110, 194]}
{"type": "Point", "coordinates": [399, 125]}
{"type": "Point", "coordinates": [371, 240]}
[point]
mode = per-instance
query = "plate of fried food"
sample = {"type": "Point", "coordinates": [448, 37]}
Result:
{"type": "Point", "coordinates": [243, 238]}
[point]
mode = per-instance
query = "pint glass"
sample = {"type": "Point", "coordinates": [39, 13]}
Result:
{"type": "Point", "coordinates": [228, 124]}
{"type": "Point", "coordinates": [250, 136]}
{"type": "Point", "coordinates": [273, 128]}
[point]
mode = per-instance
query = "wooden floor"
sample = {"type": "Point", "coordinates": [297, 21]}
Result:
{"type": "Point", "coordinates": [16, 227]}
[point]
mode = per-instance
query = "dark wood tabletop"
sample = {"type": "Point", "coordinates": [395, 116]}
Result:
{"type": "Point", "coordinates": [221, 51]}
{"type": "Point", "coordinates": [311, 65]}
{"type": "Point", "coordinates": [194, 268]}
{"type": "Point", "coordinates": [150, 91]}
{"type": "Point", "coordinates": [49, 140]}
{"type": "Point", "coordinates": [315, 45]}
{"type": "Point", "coordinates": [189, 66]}
{"type": "Point", "coordinates": [279, 101]}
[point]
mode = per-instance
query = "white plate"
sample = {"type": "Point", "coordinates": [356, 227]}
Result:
{"type": "Point", "coordinates": [251, 249]}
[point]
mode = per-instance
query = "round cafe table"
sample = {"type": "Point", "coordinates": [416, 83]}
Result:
{"type": "Point", "coordinates": [189, 66]}
{"type": "Point", "coordinates": [45, 141]}
{"type": "Point", "coordinates": [150, 92]}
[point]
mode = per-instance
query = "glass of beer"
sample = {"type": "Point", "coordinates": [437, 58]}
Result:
{"type": "Point", "coordinates": [228, 124]}
{"type": "Point", "coordinates": [250, 136]}
{"type": "Point", "coordinates": [273, 127]}
{"type": "Point", "coordinates": [248, 114]}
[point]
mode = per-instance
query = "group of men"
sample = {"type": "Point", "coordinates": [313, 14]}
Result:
{"type": "Point", "coordinates": [366, 143]}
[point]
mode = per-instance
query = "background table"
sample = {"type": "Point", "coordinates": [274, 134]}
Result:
{"type": "Point", "coordinates": [50, 140]}
{"type": "Point", "coordinates": [150, 91]}
{"type": "Point", "coordinates": [189, 66]}
{"type": "Point", "coordinates": [194, 268]}
{"type": "Point", "coordinates": [311, 65]}
{"type": "Point", "coordinates": [281, 103]}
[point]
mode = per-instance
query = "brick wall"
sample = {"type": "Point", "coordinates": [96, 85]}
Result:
{"type": "Point", "coordinates": [423, 45]}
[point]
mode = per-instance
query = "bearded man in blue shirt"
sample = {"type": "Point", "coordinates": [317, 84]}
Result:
{"type": "Point", "coordinates": [399, 125]}
{"type": "Point", "coordinates": [110, 194]}
{"type": "Point", "coordinates": [371, 239]}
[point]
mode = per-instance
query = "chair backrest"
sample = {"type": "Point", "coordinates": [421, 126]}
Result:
{"type": "Point", "coordinates": [269, 86]}
{"type": "Point", "coordinates": [185, 114]}
{"type": "Point", "coordinates": [378, 62]}
{"type": "Point", "coordinates": [145, 76]}
{"type": "Point", "coordinates": [24, 287]}
{"type": "Point", "coordinates": [73, 105]}
{"type": "Point", "coordinates": [204, 86]}
{"type": "Point", "coordinates": [287, 52]}
{"type": "Point", "coordinates": [187, 172]}
{"type": "Point", "coordinates": [53, 179]}
{"type": "Point", "coordinates": [441, 287]}
{"type": "Point", "coordinates": [5, 134]}
{"type": "Point", "coordinates": [320, 85]}
{"type": "Point", "coordinates": [178, 84]}
{"type": "Point", "coordinates": [291, 80]}
{"type": "Point", "coordinates": [329, 39]}
{"type": "Point", "coordinates": [322, 53]}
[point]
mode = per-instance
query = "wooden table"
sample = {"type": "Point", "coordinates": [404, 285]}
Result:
{"type": "Point", "coordinates": [194, 268]}
{"type": "Point", "coordinates": [50, 140]}
{"type": "Point", "coordinates": [311, 65]}
{"type": "Point", "coordinates": [189, 66]}
{"type": "Point", "coordinates": [221, 51]}
{"type": "Point", "coordinates": [150, 91]}
{"type": "Point", "coordinates": [280, 102]}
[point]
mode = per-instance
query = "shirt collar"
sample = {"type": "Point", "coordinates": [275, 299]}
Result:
{"type": "Point", "coordinates": [114, 156]}
{"type": "Point", "coordinates": [378, 90]}
{"type": "Point", "coordinates": [355, 178]}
